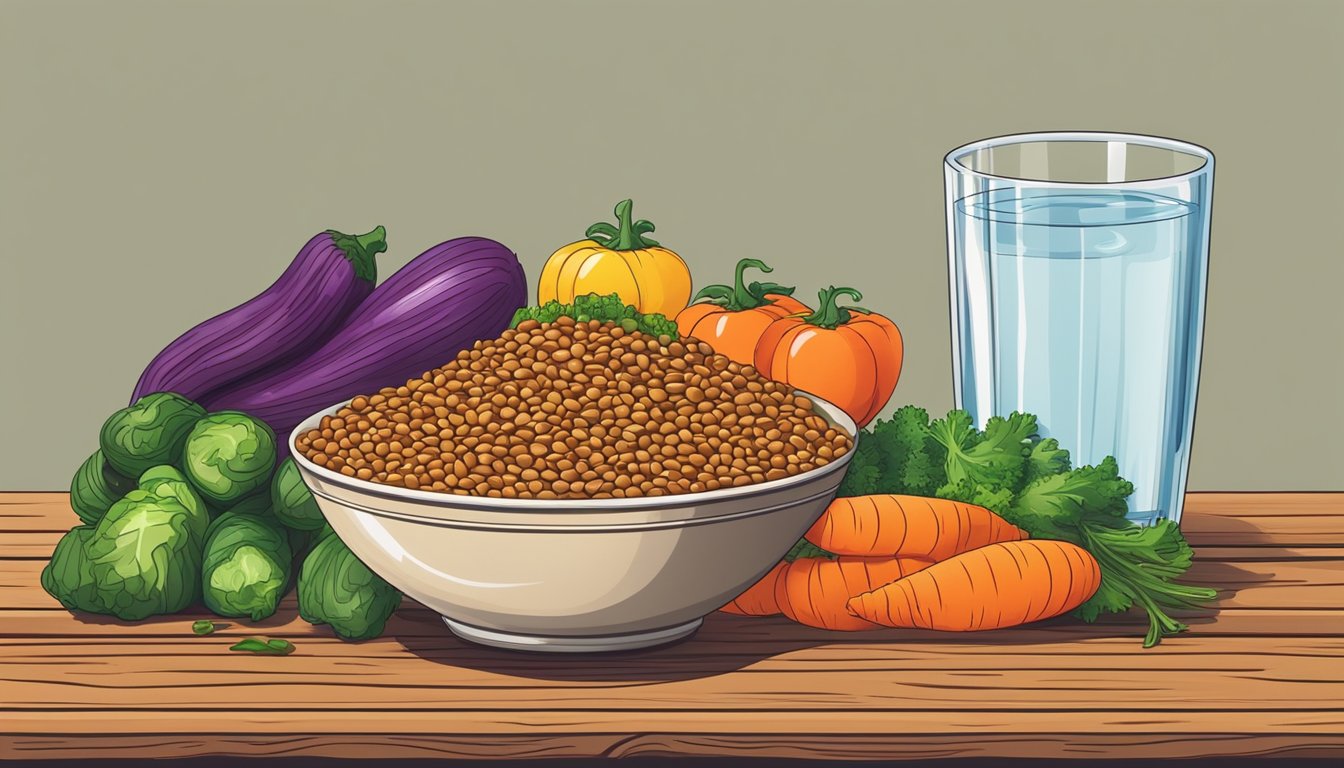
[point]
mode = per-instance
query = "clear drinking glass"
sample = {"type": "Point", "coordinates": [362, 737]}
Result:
{"type": "Point", "coordinates": [1078, 265]}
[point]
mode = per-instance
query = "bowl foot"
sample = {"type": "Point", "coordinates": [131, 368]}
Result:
{"type": "Point", "coordinates": [561, 644]}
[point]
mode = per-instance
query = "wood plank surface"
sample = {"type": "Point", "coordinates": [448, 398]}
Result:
{"type": "Point", "coordinates": [848, 735]}
{"type": "Point", "coordinates": [1259, 673]}
{"type": "Point", "coordinates": [1260, 519]}
{"type": "Point", "coordinates": [1253, 584]}
{"type": "Point", "coordinates": [168, 675]}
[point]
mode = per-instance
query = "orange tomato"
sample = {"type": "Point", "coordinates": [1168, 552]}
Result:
{"type": "Point", "coordinates": [847, 356]}
{"type": "Point", "coordinates": [734, 317]}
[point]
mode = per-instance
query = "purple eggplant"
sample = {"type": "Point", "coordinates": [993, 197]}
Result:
{"type": "Point", "coordinates": [329, 277]}
{"type": "Point", "coordinates": [442, 302]}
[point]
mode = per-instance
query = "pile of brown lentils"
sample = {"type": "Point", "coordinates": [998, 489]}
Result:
{"type": "Point", "coordinates": [569, 410]}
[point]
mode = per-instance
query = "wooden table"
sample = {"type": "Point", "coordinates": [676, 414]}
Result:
{"type": "Point", "coordinates": [1261, 674]}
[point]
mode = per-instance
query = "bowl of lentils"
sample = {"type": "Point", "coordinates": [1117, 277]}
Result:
{"type": "Point", "coordinates": [577, 483]}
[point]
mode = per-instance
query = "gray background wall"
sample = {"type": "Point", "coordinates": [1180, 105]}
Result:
{"type": "Point", "coordinates": [162, 161]}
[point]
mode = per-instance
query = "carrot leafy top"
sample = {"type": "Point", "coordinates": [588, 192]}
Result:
{"type": "Point", "coordinates": [1009, 469]}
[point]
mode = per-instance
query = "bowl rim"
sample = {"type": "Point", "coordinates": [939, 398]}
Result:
{"type": "Point", "coordinates": [828, 410]}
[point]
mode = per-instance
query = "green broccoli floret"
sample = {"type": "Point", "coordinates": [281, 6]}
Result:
{"type": "Point", "coordinates": [605, 309]}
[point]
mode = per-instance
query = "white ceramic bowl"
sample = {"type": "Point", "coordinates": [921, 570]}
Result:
{"type": "Point", "coordinates": [573, 574]}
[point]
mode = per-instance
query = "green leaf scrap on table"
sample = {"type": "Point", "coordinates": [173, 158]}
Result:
{"type": "Point", "coordinates": [263, 646]}
{"type": "Point", "coordinates": [203, 627]}
{"type": "Point", "coordinates": [1009, 469]}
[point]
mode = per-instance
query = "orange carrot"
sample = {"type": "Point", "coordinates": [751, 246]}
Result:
{"type": "Point", "coordinates": [887, 525]}
{"type": "Point", "coordinates": [759, 599]}
{"type": "Point", "coordinates": [996, 586]}
{"type": "Point", "coordinates": [814, 590]}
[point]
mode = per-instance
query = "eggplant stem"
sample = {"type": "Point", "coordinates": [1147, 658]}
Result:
{"type": "Point", "coordinates": [360, 250]}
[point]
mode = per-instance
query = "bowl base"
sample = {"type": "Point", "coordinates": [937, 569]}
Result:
{"type": "Point", "coordinates": [560, 644]}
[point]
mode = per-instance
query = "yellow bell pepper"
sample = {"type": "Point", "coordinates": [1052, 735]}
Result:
{"type": "Point", "coordinates": [618, 259]}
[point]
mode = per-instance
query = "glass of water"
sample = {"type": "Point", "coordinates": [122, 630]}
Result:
{"type": "Point", "coordinates": [1078, 270]}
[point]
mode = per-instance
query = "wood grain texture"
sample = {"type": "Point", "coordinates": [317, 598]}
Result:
{"type": "Point", "coordinates": [846, 735]}
{"type": "Point", "coordinates": [1251, 584]}
{"type": "Point", "coordinates": [1260, 519]}
{"type": "Point", "coordinates": [973, 743]}
{"type": "Point", "coordinates": [1260, 673]}
{"type": "Point", "coordinates": [413, 621]}
{"type": "Point", "coordinates": [444, 674]}
{"type": "Point", "coordinates": [27, 512]}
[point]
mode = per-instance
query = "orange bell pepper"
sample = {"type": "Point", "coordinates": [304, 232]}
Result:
{"type": "Point", "coordinates": [732, 318]}
{"type": "Point", "coordinates": [848, 356]}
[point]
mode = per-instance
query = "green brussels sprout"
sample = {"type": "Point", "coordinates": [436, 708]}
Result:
{"type": "Point", "coordinates": [293, 503]}
{"type": "Point", "coordinates": [324, 532]}
{"type": "Point", "coordinates": [246, 567]}
{"type": "Point", "coordinates": [336, 588]}
{"type": "Point", "coordinates": [95, 487]}
{"type": "Point", "coordinates": [212, 507]}
{"type": "Point", "coordinates": [214, 523]}
{"type": "Point", "coordinates": [299, 541]}
{"type": "Point", "coordinates": [145, 556]}
{"type": "Point", "coordinates": [168, 481]}
{"type": "Point", "coordinates": [149, 432]}
{"type": "Point", "coordinates": [256, 504]}
{"type": "Point", "coordinates": [228, 455]}
{"type": "Point", "coordinates": [68, 576]}
{"type": "Point", "coordinates": [302, 542]}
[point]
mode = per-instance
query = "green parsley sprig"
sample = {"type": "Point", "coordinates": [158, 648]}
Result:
{"type": "Point", "coordinates": [606, 309]}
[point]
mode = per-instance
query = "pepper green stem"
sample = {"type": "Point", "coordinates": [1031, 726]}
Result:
{"type": "Point", "coordinates": [829, 313]}
{"type": "Point", "coordinates": [360, 250]}
{"type": "Point", "coordinates": [627, 235]}
{"type": "Point", "coordinates": [741, 296]}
